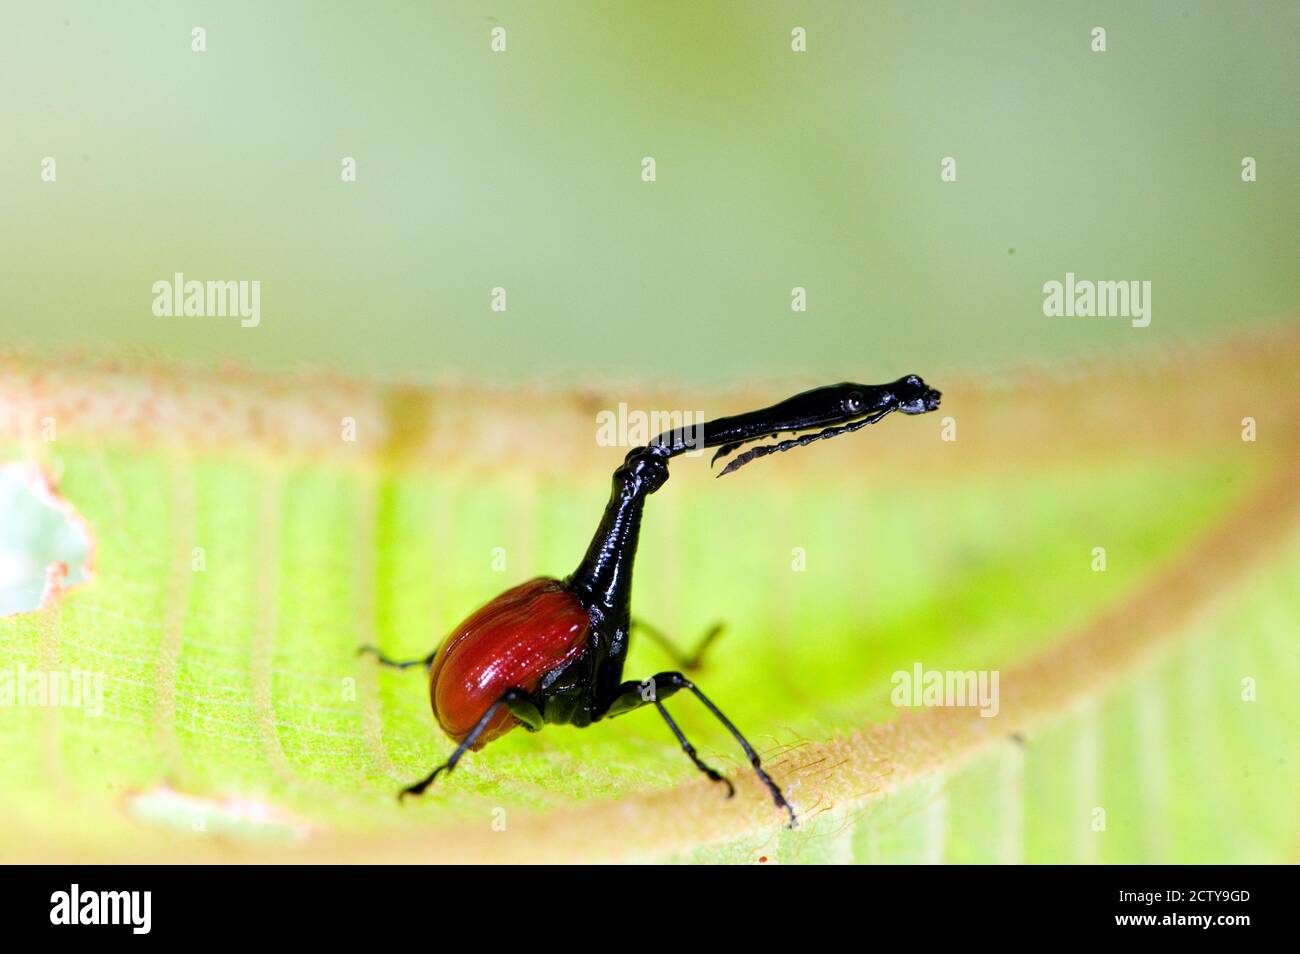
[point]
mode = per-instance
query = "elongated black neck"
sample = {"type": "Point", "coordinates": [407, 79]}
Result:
{"type": "Point", "coordinates": [604, 577]}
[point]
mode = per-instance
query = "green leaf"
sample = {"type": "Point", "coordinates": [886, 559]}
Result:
{"type": "Point", "coordinates": [243, 551]}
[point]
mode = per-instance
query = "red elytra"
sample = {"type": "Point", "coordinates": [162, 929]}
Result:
{"type": "Point", "coordinates": [510, 643]}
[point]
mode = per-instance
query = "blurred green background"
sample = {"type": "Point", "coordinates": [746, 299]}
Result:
{"type": "Point", "coordinates": [522, 169]}
{"type": "Point", "coordinates": [775, 169]}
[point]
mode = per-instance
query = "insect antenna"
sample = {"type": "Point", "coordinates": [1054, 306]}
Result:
{"type": "Point", "coordinates": [762, 451]}
{"type": "Point", "coordinates": [727, 449]}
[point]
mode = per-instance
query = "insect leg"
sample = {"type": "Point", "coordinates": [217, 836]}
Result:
{"type": "Point", "coordinates": [801, 441]}
{"type": "Point", "coordinates": [691, 753]}
{"type": "Point", "coordinates": [522, 707]}
{"type": "Point", "coordinates": [426, 662]}
{"type": "Point", "coordinates": [633, 695]}
{"type": "Point", "coordinates": [678, 680]}
{"type": "Point", "coordinates": [691, 662]}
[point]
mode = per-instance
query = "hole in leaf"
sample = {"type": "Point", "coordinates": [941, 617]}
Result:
{"type": "Point", "coordinates": [44, 543]}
